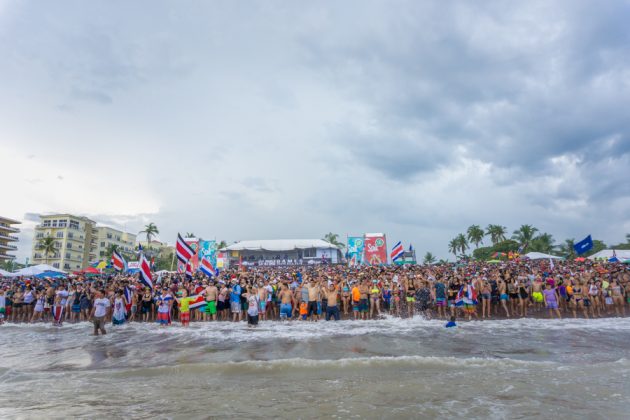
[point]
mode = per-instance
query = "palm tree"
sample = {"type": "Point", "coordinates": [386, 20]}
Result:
{"type": "Point", "coordinates": [332, 238]}
{"type": "Point", "coordinates": [429, 259]}
{"type": "Point", "coordinates": [150, 230]}
{"type": "Point", "coordinates": [47, 245]}
{"type": "Point", "coordinates": [628, 238]}
{"type": "Point", "coordinates": [222, 245]}
{"type": "Point", "coordinates": [453, 247]}
{"type": "Point", "coordinates": [443, 261]}
{"type": "Point", "coordinates": [543, 243]}
{"type": "Point", "coordinates": [462, 243]}
{"type": "Point", "coordinates": [524, 234]}
{"type": "Point", "coordinates": [475, 235]}
{"type": "Point", "coordinates": [190, 235]}
{"type": "Point", "coordinates": [496, 233]}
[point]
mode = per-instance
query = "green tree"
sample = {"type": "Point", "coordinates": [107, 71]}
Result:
{"type": "Point", "coordinates": [475, 235]}
{"type": "Point", "coordinates": [485, 253]}
{"type": "Point", "coordinates": [429, 259]}
{"type": "Point", "coordinates": [453, 247]}
{"type": "Point", "coordinates": [222, 245]}
{"type": "Point", "coordinates": [47, 246]}
{"type": "Point", "coordinates": [525, 234]}
{"type": "Point", "coordinates": [542, 243]}
{"type": "Point", "coordinates": [462, 243]}
{"type": "Point", "coordinates": [333, 238]}
{"type": "Point", "coordinates": [566, 249]}
{"type": "Point", "coordinates": [150, 231]}
{"type": "Point", "coordinates": [190, 235]}
{"type": "Point", "coordinates": [496, 233]}
{"type": "Point", "coordinates": [597, 246]}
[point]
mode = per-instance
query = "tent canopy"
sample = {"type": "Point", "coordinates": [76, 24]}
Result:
{"type": "Point", "coordinates": [35, 270]}
{"type": "Point", "coordinates": [279, 245]}
{"type": "Point", "coordinates": [621, 254]}
{"type": "Point", "coordinates": [4, 273]}
{"type": "Point", "coordinates": [540, 256]}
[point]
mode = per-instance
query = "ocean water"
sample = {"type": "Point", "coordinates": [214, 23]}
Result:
{"type": "Point", "coordinates": [405, 368]}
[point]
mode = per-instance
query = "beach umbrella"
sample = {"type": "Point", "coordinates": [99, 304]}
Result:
{"type": "Point", "coordinates": [580, 259]}
{"type": "Point", "coordinates": [627, 261]}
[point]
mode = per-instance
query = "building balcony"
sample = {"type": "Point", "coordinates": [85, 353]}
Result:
{"type": "Point", "coordinates": [6, 257]}
{"type": "Point", "coordinates": [8, 237]}
{"type": "Point", "coordinates": [7, 246]}
{"type": "Point", "coordinates": [8, 228]}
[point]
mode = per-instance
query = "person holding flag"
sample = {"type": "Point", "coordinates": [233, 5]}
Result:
{"type": "Point", "coordinates": [184, 307]}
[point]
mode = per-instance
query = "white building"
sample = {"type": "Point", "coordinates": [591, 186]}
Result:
{"type": "Point", "coordinates": [282, 252]}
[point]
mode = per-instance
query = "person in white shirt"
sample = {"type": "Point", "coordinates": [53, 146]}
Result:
{"type": "Point", "coordinates": [99, 312]}
{"type": "Point", "coordinates": [61, 298]}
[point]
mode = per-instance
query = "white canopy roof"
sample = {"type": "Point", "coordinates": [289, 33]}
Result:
{"type": "Point", "coordinates": [4, 273]}
{"type": "Point", "coordinates": [35, 270]}
{"type": "Point", "coordinates": [540, 256]}
{"type": "Point", "coordinates": [622, 254]}
{"type": "Point", "coordinates": [279, 245]}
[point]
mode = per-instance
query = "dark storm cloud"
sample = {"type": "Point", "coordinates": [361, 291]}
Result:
{"type": "Point", "coordinates": [288, 120]}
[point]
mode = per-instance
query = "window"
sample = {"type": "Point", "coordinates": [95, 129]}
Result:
{"type": "Point", "coordinates": [54, 223]}
{"type": "Point", "coordinates": [46, 223]}
{"type": "Point", "coordinates": [80, 246]}
{"type": "Point", "coordinates": [70, 235]}
{"type": "Point", "coordinates": [66, 266]}
{"type": "Point", "coordinates": [102, 243]}
{"type": "Point", "coordinates": [69, 245]}
{"type": "Point", "coordinates": [78, 266]}
{"type": "Point", "coordinates": [68, 255]}
{"type": "Point", "coordinates": [118, 238]}
{"type": "Point", "coordinates": [59, 234]}
{"type": "Point", "coordinates": [74, 224]}
{"type": "Point", "coordinates": [40, 235]}
{"type": "Point", "coordinates": [63, 223]}
{"type": "Point", "coordinates": [310, 253]}
{"type": "Point", "coordinates": [109, 236]}
{"type": "Point", "coordinates": [57, 244]}
{"type": "Point", "coordinates": [102, 253]}
{"type": "Point", "coordinates": [56, 265]}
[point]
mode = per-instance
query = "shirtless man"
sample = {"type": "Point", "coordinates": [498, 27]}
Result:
{"type": "Point", "coordinates": [263, 298]}
{"type": "Point", "coordinates": [537, 295]}
{"type": "Point", "coordinates": [212, 294]}
{"type": "Point", "coordinates": [313, 297]}
{"type": "Point", "coordinates": [286, 302]}
{"type": "Point", "coordinates": [332, 309]}
{"type": "Point", "coordinates": [364, 290]}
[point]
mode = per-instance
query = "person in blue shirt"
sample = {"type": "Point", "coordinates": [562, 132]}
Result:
{"type": "Point", "coordinates": [451, 323]}
{"type": "Point", "coordinates": [235, 301]}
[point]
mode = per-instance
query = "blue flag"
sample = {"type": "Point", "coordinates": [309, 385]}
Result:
{"type": "Point", "coordinates": [584, 245]}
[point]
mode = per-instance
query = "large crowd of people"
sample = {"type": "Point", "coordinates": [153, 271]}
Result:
{"type": "Point", "coordinates": [472, 290]}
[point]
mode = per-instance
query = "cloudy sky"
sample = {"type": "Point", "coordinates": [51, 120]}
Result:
{"type": "Point", "coordinates": [270, 119]}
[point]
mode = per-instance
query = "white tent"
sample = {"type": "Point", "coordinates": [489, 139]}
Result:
{"type": "Point", "coordinates": [35, 270]}
{"type": "Point", "coordinates": [541, 256]}
{"type": "Point", "coordinates": [622, 254]}
{"type": "Point", "coordinates": [279, 245]}
{"type": "Point", "coordinates": [4, 273]}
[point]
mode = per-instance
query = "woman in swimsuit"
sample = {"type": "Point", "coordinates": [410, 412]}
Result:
{"type": "Point", "coordinates": [38, 310]}
{"type": "Point", "coordinates": [486, 295]}
{"type": "Point", "coordinates": [513, 294]}
{"type": "Point", "coordinates": [617, 296]}
{"type": "Point", "coordinates": [147, 301]}
{"type": "Point", "coordinates": [29, 304]}
{"type": "Point", "coordinates": [593, 295]}
{"type": "Point", "coordinates": [410, 297]}
{"type": "Point", "coordinates": [375, 296]}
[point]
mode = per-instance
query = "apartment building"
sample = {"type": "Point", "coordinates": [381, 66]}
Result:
{"type": "Point", "coordinates": [7, 236]}
{"type": "Point", "coordinates": [74, 238]}
{"type": "Point", "coordinates": [107, 236]}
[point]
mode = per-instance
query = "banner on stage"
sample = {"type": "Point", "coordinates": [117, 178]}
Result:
{"type": "Point", "coordinates": [375, 249]}
{"type": "Point", "coordinates": [355, 250]}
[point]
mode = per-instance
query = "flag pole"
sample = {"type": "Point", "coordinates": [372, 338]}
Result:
{"type": "Point", "coordinates": [173, 259]}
